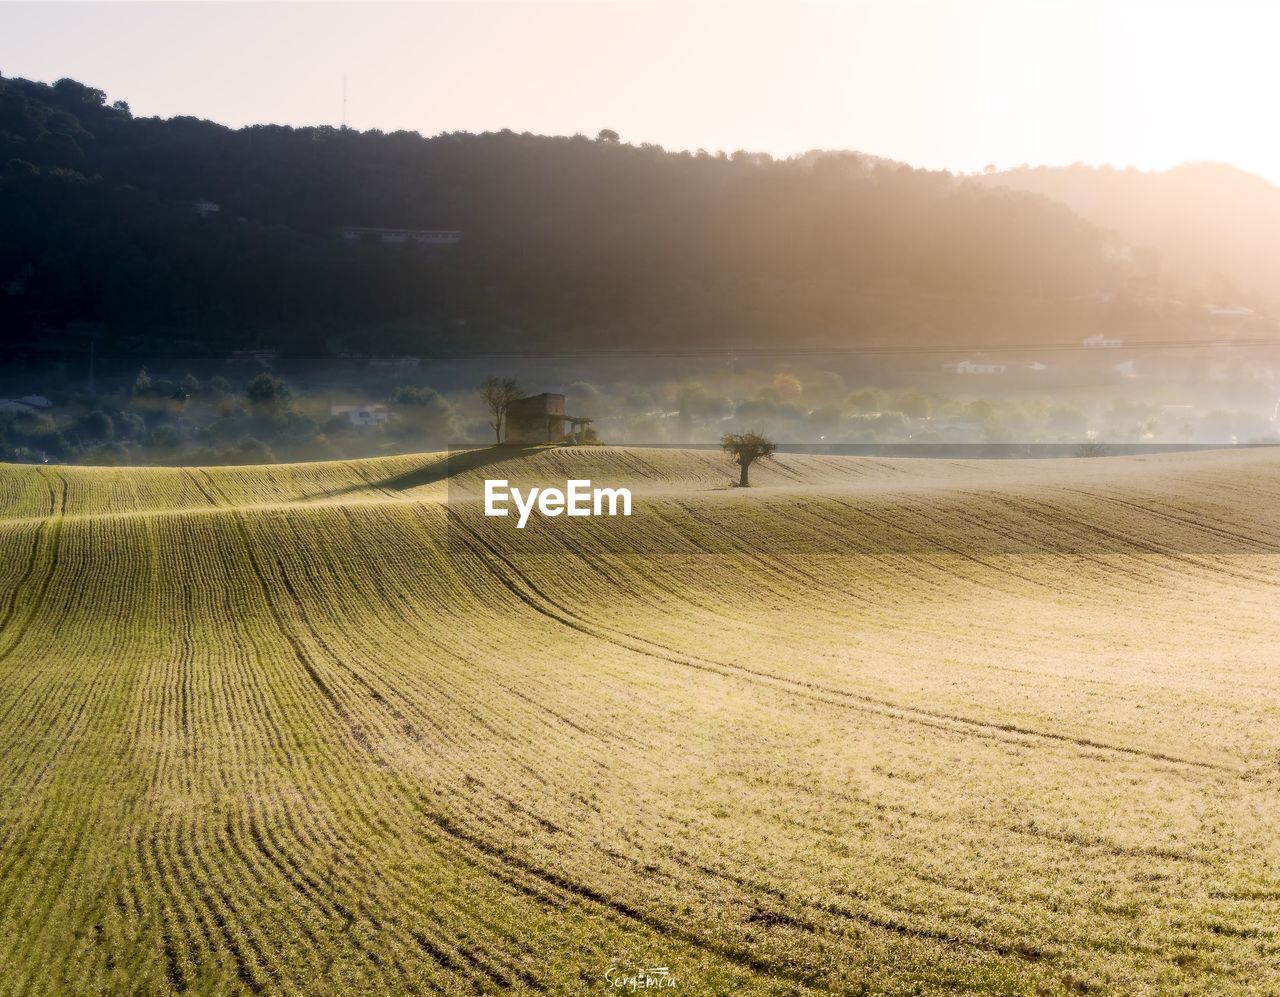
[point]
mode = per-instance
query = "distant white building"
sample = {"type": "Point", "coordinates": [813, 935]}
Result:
{"type": "Point", "coordinates": [357, 234]}
{"type": "Point", "coordinates": [205, 209]}
{"type": "Point", "coordinates": [1101, 342]}
{"type": "Point", "coordinates": [361, 415]}
{"type": "Point", "coordinates": [978, 367]}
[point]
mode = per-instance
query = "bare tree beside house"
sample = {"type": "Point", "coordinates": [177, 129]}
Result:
{"type": "Point", "coordinates": [498, 394]}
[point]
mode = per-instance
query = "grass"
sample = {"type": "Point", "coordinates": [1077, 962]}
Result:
{"type": "Point", "coordinates": [873, 725]}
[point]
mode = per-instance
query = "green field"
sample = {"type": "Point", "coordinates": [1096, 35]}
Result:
{"type": "Point", "coordinates": [882, 725]}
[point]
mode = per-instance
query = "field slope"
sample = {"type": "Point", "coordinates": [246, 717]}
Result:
{"type": "Point", "coordinates": [881, 725]}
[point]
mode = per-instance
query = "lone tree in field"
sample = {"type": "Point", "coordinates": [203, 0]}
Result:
{"type": "Point", "coordinates": [498, 394]}
{"type": "Point", "coordinates": [746, 449]}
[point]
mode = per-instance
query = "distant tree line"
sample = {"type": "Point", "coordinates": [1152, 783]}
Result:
{"type": "Point", "coordinates": [157, 420]}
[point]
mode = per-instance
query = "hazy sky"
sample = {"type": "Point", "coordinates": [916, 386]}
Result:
{"type": "Point", "coordinates": [940, 83]}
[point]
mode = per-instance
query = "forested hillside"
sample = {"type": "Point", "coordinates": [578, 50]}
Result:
{"type": "Point", "coordinates": [1212, 226]}
{"type": "Point", "coordinates": [567, 241]}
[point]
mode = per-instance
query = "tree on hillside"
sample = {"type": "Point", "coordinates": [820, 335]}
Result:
{"type": "Point", "coordinates": [96, 427]}
{"type": "Point", "coordinates": [746, 449]}
{"type": "Point", "coordinates": [498, 394]}
{"type": "Point", "coordinates": [267, 392]}
{"type": "Point", "coordinates": [422, 413]}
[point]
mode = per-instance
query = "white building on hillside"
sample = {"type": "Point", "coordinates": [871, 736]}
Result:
{"type": "Point", "coordinates": [980, 367]}
{"type": "Point", "coordinates": [361, 415]}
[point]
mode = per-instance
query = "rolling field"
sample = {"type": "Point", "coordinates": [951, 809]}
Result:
{"type": "Point", "coordinates": [871, 726]}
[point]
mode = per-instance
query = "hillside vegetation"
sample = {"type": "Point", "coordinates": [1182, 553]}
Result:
{"type": "Point", "coordinates": [889, 725]}
{"type": "Point", "coordinates": [1208, 225]}
{"type": "Point", "coordinates": [567, 241]}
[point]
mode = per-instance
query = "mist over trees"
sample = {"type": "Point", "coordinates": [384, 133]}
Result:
{"type": "Point", "coordinates": [1212, 227]}
{"type": "Point", "coordinates": [568, 242]}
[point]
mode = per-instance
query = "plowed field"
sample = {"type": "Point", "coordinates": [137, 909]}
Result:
{"type": "Point", "coordinates": [871, 725]}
